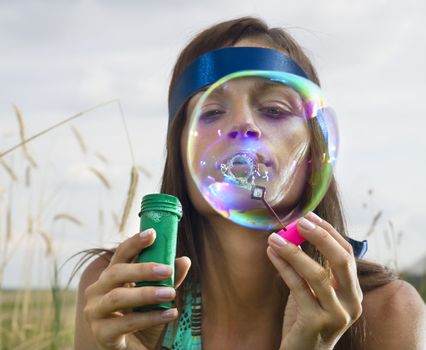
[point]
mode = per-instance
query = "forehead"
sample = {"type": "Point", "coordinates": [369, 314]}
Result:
{"type": "Point", "coordinates": [248, 86]}
{"type": "Point", "coordinates": [252, 85]}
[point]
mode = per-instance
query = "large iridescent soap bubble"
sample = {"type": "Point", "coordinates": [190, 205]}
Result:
{"type": "Point", "coordinates": [261, 147]}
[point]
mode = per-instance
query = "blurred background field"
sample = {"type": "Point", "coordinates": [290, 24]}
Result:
{"type": "Point", "coordinates": [79, 185]}
{"type": "Point", "coordinates": [44, 217]}
{"type": "Point", "coordinates": [37, 319]}
{"type": "Point", "coordinates": [38, 227]}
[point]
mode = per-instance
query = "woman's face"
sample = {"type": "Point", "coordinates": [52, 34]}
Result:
{"type": "Point", "coordinates": [250, 113]}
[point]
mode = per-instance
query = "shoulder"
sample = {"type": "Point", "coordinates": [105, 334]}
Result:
{"type": "Point", "coordinates": [395, 317]}
{"type": "Point", "coordinates": [93, 270]}
{"type": "Point", "coordinates": [83, 337]}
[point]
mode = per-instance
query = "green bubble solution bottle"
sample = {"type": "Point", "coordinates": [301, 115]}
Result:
{"type": "Point", "coordinates": [162, 212]}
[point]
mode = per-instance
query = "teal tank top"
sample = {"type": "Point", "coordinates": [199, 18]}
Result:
{"type": "Point", "coordinates": [187, 336]}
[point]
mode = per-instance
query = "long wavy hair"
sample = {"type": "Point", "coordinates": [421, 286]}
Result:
{"type": "Point", "coordinates": [191, 241]}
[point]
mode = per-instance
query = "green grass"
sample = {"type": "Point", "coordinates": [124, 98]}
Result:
{"type": "Point", "coordinates": [31, 319]}
{"type": "Point", "coordinates": [45, 326]}
{"type": "Point", "coordinates": [417, 281]}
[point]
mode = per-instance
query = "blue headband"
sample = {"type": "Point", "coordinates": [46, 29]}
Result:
{"type": "Point", "coordinates": [213, 65]}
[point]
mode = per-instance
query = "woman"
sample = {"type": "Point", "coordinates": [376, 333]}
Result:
{"type": "Point", "coordinates": [318, 297]}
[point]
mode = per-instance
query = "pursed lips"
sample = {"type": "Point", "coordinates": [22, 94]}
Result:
{"type": "Point", "coordinates": [257, 158]}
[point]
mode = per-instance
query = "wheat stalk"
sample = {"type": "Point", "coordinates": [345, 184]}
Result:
{"type": "Point", "coordinates": [30, 223]}
{"type": "Point", "coordinates": [48, 241]}
{"type": "Point", "coordinates": [9, 170]}
{"type": "Point", "coordinates": [115, 218]}
{"type": "Point", "coordinates": [144, 171]}
{"type": "Point", "coordinates": [28, 176]}
{"type": "Point", "coordinates": [134, 177]}
{"type": "Point", "coordinates": [101, 157]}
{"type": "Point", "coordinates": [374, 223]}
{"type": "Point", "coordinates": [394, 244]}
{"type": "Point", "coordinates": [101, 222]}
{"type": "Point", "coordinates": [68, 217]}
{"type": "Point", "coordinates": [79, 139]}
{"type": "Point", "coordinates": [79, 114]}
{"type": "Point", "coordinates": [101, 177]}
{"type": "Point", "coordinates": [127, 131]}
{"type": "Point", "coordinates": [22, 136]}
{"type": "Point", "coordinates": [8, 225]}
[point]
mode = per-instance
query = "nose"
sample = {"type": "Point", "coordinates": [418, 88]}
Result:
{"type": "Point", "coordinates": [243, 125]}
{"type": "Point", "coordinates": [247, 131]}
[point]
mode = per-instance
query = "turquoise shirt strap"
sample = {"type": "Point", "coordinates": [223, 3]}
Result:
{"type": "Point", "coordinates": [188, 333]}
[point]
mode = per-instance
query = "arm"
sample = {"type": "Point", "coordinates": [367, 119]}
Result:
{"type": "Point", "coordinates": [396, 317]}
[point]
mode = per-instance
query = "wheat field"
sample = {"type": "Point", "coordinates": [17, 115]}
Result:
{"type": "Point", "coordinates": [34, 318]}
{"type": "Point", "coordinates": [43, 318]}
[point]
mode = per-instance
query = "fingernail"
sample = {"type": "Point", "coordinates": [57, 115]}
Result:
{"type": "Point", "coordinates": [278, 240]}
{"type": "Point", "coordinates": [162, 270]}
{"type": "Point", "coordinates": [306, 224]}
{"type": "Point", "coordinates": [147, 233]}
{"type": "Point", "coordinates": [314, 217]}
{"type": "Point", "coordinates": [274, 253]}
{"type": "Point", "coordinates": [169, 314]}
{"type": "Point", "coordinates": [164, 293]}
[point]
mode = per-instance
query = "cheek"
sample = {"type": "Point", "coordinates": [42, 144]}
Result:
{"type": "Point", "coordinates": [291, 151]}
{"type": "Point", "coordinates": [291, 145]}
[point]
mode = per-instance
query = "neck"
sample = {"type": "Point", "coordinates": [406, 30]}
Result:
{"type": "Point", "coordinates": [241, 288]}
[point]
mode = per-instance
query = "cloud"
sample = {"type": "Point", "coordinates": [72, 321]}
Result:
{"type": "Point", "coordinates": [59, 58]}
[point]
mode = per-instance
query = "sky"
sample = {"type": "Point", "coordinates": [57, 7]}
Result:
{"type": "Point", "coordinates": [59, 58]}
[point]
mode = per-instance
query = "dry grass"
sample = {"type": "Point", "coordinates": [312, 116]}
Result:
{"type": "Point", "coordinates": [101, 177]}
{"type": "Point", "coordinates": [67, 217]}
{"type": "Point", "coordinates": [29, 318]}
{"type": "Point", "coordinates": [48, 241]}
{"type": "Point", "coordinates": [34, 319]}
{"type": "Point", "coordinates": [101, 157]}
{"type": "Point", "coordinates": [134, 177]}
{"type": "Point", "coordinates": [9, 170]}
{"type": "Point", "coordinates": [79, 139]}
{"type": "Point", "coordinates": [23, 137]}
{"type": "Point", "coordinates": [373, 224]}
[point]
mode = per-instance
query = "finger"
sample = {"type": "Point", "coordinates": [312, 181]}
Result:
{"type": "Point", "coordinates": [132, 246]}
{"type": "Point", "coordinates": [341, 261]}
{"type": "Point", "coordinates": [312, 272]}
{"type": "Point", "coordinates": [109, 330]}
{"type": "Point", "coordinates": [118, 275]}
{"type": "Point", "coordinates": [183, 265]}
{"type": "Point", "coordinates": [339, 238]}
{"type": "Point", "coordinates": [311, 216]}
{"type": "Point", "coordinates": [128, 298]}
{"type": "Point", "coordinates": [300, 290]}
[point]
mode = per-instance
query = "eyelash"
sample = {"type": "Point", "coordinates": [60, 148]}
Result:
{"type": "Point", "coordinates": [212, 115]}
{"type": "Point", "coordinates": [282, 113]}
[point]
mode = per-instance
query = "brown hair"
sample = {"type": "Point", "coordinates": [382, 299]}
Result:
{"type": "Point", "coordinates": [192, 225]}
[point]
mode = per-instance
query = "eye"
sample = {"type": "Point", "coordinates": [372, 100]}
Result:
{"type": "Point", "coordinates": [275, 112]}
{"type": "Point", "coordinates": [211, 115]}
